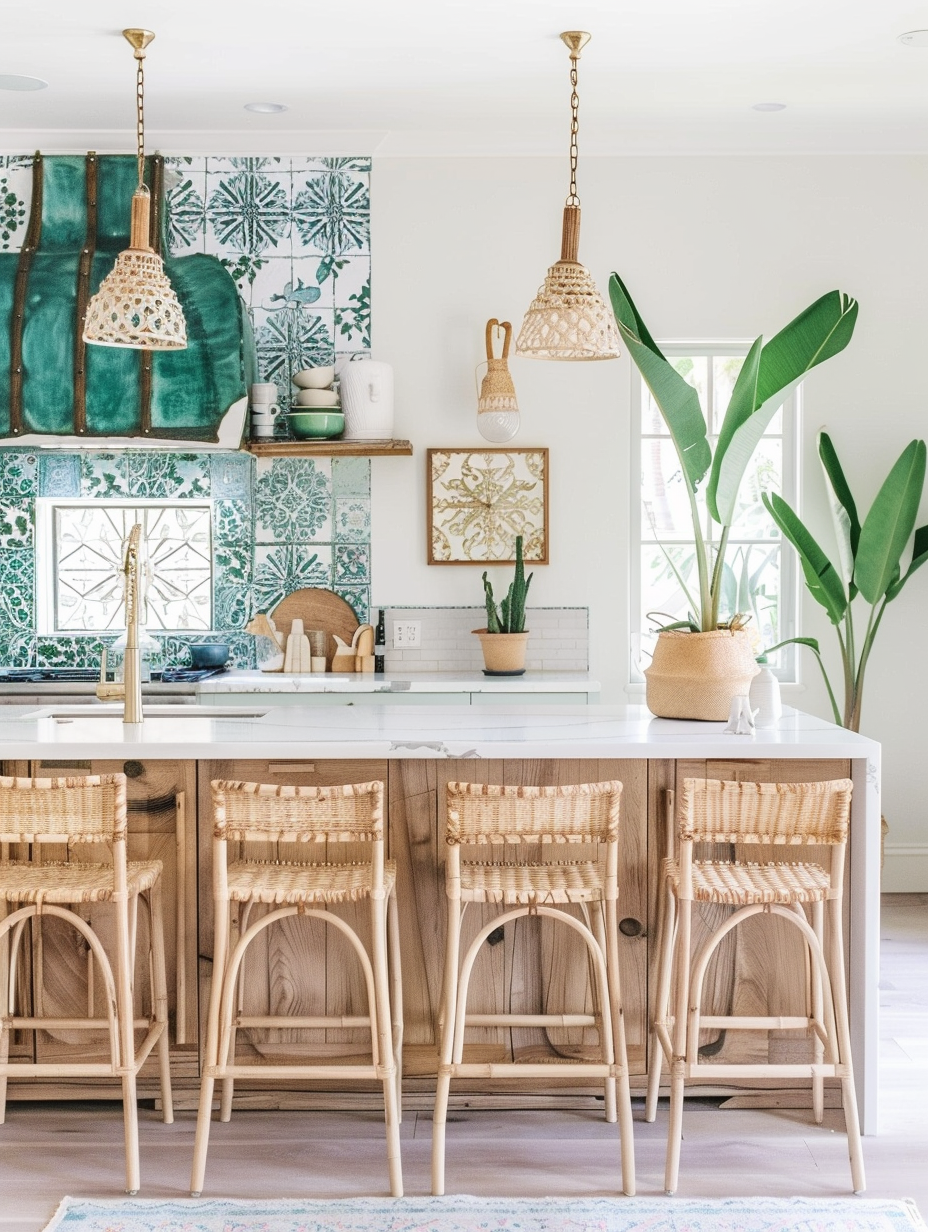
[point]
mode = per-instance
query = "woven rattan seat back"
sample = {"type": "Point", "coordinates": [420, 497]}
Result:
{"type": "Point", "coordinates": [489, 813]}
{"type": "Point", "coordinates": [270, 812]}
{"type": "Point", "coordinates": [785, 814]}
{"type": "Point", "coordinates": [89, 809]}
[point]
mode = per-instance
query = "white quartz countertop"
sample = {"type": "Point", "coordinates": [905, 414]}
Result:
{"type": "Point", "coordinates": [498, 731]}
{"type": "Point", "coordinates": [426, 682]}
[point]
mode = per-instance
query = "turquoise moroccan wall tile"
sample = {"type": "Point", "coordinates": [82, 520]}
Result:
{"type": "Point", "coordinates": [351, 476]}
{"type": "Point", "coordinates": [360, 599]}
{"type": "Point", "coordinates": [232, 522]}
{"type": "Point", "coordinates": [293, 500]}
{"type": "Point", "coordinates": [17, 590]}
{"type": "Point", "coordinates": [231, 475]}
{"type": "Point", "coordinates": [18, 473]}
{"type": "Point", "coordinates": [165, 476]}
{"type": "Point", "coordinates": [17, 649]}
{"type": "Point", "coordinates": [104, 474]}
{"type": "Point", "coordinates": [353, 519]}
{"type": "Point", "coordinates": [16, 524]}
{"type": "Point", "coordinates": [59, 474]}
{"type": "Point", "coordinates": [285, 567]}
{"type": "Point", "coordinates": [352, 564]}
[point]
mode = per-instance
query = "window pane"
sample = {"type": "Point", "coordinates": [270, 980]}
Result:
{"type": "Point", "coordinates": [177, 572]}
{"type": "Point", "coordinates": [764, 474]}
{"type": "Point", "coordinates": [725, 369]}
{"type": "Point", "coordinates": [668, 582]}
{"type": "Point", "coordinates": [751, 584]}
{"type": "Point", "coordinates": [664, 493]}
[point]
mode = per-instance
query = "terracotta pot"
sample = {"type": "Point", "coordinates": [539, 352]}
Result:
{"type": "Point", "coordinates": [503, 652]}
{"type": "Point", "coordinates": [695, 675]}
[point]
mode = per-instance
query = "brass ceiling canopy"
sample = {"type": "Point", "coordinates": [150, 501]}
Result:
{"type": "Point", "coordinates": [135, 306]}
{"type": "Point", "coordinates": [568, 318]}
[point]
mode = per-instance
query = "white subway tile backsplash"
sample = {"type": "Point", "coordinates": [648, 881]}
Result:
{"type": "Point", "coordinates": [559, 640]}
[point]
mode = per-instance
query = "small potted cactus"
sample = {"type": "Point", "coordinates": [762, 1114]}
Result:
{"type": "Point", "coordinates": [503, 640]}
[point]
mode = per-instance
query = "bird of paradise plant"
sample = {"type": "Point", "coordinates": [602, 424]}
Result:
{"type": "Point", "coordinates": [768, 375]}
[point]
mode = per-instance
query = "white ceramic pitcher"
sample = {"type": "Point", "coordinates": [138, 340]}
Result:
{"type": "Point", "coordinates": [367, 400]}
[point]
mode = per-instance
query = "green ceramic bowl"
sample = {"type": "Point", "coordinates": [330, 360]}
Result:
{"type": "Point", "coordinates": [316, 425]}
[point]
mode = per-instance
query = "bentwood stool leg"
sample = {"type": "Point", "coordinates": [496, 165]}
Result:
{"type": "Point", "coordinates": [678, 1054]}
{"type": "Point", "coordinates": [446, 1045]}
{"type": "Point", "coordinates": [160, 1000]}
{"type": "Point", "coordinates": [384, 1033]}
{"type": "Point", "coordinates": [396, 997]}
{"type": "Point", "coordinates": [211, 1051]}
{"type": "Point", "coordinates": [835, 966]}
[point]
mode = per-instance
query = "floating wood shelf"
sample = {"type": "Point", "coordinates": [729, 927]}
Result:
{"type": "Point", "coordinates": [330, 449]}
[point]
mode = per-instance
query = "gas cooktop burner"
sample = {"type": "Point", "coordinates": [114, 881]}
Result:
{"type": "Point", "coordinates": [45, 675]}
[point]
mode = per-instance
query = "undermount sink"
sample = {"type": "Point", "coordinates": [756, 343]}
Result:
{"type": "Point", "coordinates": [175, 713]}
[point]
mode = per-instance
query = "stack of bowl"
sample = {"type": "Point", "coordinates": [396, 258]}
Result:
{"type": "Point", "coordinates": [315, 414]}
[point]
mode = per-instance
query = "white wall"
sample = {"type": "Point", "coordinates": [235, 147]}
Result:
{"type": "Point", "coordinates": [725, 247]}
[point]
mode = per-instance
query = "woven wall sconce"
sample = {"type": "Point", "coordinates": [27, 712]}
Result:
{"type": "Point", "coordinates": [135, 306]}
{"type": "Point", "coordinates": [497, 408]}
{"type": "Point", "coordinates": [568, 318]}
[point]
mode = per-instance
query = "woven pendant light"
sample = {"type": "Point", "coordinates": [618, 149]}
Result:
{"type": "Point", "coordinates": [497, 408]}
{"type": "Point", "coordinates": [135, 306]}
{"type": "Point", "coordinates": [568, 318]}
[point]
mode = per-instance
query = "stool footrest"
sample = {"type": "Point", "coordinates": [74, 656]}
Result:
{"type": "Point", "coordinates": [811, 1070]}
{"type": "Point", "coordinates": [742, 1022]}
{"type": "Point", "coordinates": [529, 1069]}
{"type": "Point", "coordinates": [357, 1072]}
{"type": "Point", "coordinates": [531, 1020]}
{"type": "Point", "coordinates": [305, 1022]}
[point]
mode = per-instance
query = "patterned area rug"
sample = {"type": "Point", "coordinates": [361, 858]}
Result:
{"type": "Point", "coordinates": [463, 1214]}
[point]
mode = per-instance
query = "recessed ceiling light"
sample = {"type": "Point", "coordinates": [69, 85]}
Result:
{"type": "Point", "coordinates": [12, 81]}
{"type": "Point", "coordinates": [266, 108]}
{"type": "Point", "coordinates": [914, 38]}
{"type": "Point", "coordinates": [769, 106]}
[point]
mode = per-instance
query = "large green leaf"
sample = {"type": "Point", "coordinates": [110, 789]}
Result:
{"type": "Point", "coordinates": [889, 524]}
{"type": "Point", "coordinates": [822, 578]}
{"type": "Point", "coordinates": [768, 376]}
{"type": "Point", "coordinates": [919, 556]}
{"type": "Point", "coordinates": [843, 510]}
{"type": "Point", "coordinates": [677, 400]}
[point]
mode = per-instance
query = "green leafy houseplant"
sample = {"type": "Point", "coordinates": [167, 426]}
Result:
{"type": "Point", "coordinates": [869, 561]}
{"type": "Point", "coordinates": [768, 375]}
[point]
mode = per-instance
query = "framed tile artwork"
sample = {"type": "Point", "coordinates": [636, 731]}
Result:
{"type": "Point", "coordinates": [479, 500]}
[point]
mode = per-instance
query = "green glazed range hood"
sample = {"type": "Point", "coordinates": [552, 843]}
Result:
{"type": "Point", "coordinates": [51, 383]}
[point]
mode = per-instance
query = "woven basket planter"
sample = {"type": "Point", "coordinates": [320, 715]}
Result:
{"type": "Point", "coordinates": [695, 675]}
{"type": "Point", "coordinates": [503, 652]}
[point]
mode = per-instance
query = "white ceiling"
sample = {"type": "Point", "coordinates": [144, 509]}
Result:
{"type": "Point", "coordinates": [470, 76]}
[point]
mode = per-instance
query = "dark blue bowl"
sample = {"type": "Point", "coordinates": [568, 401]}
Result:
{"type": "Point", "coordinates": [209, 654]}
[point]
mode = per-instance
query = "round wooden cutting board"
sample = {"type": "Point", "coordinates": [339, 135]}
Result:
{"type": "Point", "coordinates": [318, 609]}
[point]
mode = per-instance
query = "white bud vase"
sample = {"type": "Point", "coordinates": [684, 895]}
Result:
{"type": "Point", "coordinates": [765, 698]}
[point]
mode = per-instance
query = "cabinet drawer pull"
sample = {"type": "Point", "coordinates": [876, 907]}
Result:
{"type": "Point", "coordinates": [630, 927]}
{"type": "Point", "coordinates": [296, 767]}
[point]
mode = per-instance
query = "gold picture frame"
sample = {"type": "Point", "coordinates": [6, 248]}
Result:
{"type": "Point", "coordinates": [479, 500]}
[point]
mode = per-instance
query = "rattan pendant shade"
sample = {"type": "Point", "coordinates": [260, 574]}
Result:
{"type": "Point", "coordinates": [135, 305]}
{"type": "Point", "coordinates": [569, 319]}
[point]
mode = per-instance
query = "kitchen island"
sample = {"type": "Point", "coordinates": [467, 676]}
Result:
{"type": "Point", "coordinates": [172, 756]}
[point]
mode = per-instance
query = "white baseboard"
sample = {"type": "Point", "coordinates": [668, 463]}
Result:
{"type": "Point", "coordinates": [905, 868]}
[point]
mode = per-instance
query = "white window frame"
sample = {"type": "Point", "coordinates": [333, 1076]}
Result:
{"type": "Point", "coordinates": [789, 670]}
{"type": "Point", "coordinates": [46, 555]}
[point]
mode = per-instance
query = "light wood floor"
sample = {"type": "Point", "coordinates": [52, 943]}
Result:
{"type": "Point", "coordinates": [49, 1150]}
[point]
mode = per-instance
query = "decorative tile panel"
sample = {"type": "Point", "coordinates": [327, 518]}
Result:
{"type": "Point", "coordinates": [295, 234]}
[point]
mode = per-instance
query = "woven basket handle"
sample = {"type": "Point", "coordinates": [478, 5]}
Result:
{"type": "Point", "coordinates": [507, 337]}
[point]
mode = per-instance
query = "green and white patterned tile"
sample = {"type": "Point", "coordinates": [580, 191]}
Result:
{"type": "Point", "coordinates": [66, 650]}
{"type": "Point", "coordinates": [283, 568]}
{"type": "Point", "coordinates": [232, 522]}
{"type": "Point", "coordinates": [17, 590]}
{"type": "Point", "coordinates": [360, 599]}
{"type": "Point", "coordinates": [232, 606]}
{"type": "Point", "coordinates": [293, 500]}
{"type": "Point", "coordinates": [248, 206]}
{"type": "Point", "coordinates": [104, 474]}
{"type": "Point", "coordinates": [59, 474]}
{"type": "Point", "coordinates": [17, 649]}
{"type": "Point", "coordinates": [185, 205]}
{"type": "Point", "coordinates": [18, 473]}
{"type": "Point", "coordinates": [290, 339]}
{"type": "Point", "coordinates": [232, 566]}
{"type": "Point", "coordinates": [16, 523]}
{"type": "Point", "coordinates": [162, 475]}
{"type": "Point", "coordinates": [352, 519]}
{"type": "Point", "coordinates": [351, 477]}
{"type": "Point", "coordinates": [15, 198]}
{"type": "Point", "coordinates": [352, 564]}
{"type": "Point", "coordinates": [331, 210]}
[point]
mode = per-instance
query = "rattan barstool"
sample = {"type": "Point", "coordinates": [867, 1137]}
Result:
{"type": "Point", "coordinates": [754, 815]}
{"type": "Point", "coordinates": [273, 814]}
{"type": "Point", "coordinates": [481, 815]}
{"type": "Point", "coordinates": [68, 812]}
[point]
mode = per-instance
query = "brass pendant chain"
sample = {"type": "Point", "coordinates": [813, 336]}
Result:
{"type": "Point", "coordinates": [572, 198]}
{"type": "Point", "coordinates": [140, 116]}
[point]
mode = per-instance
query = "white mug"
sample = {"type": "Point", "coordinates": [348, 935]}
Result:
{"type": "Point", "coordinates": [263, 394]}
{"type": "Point", "coordinates": [263, 419]}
